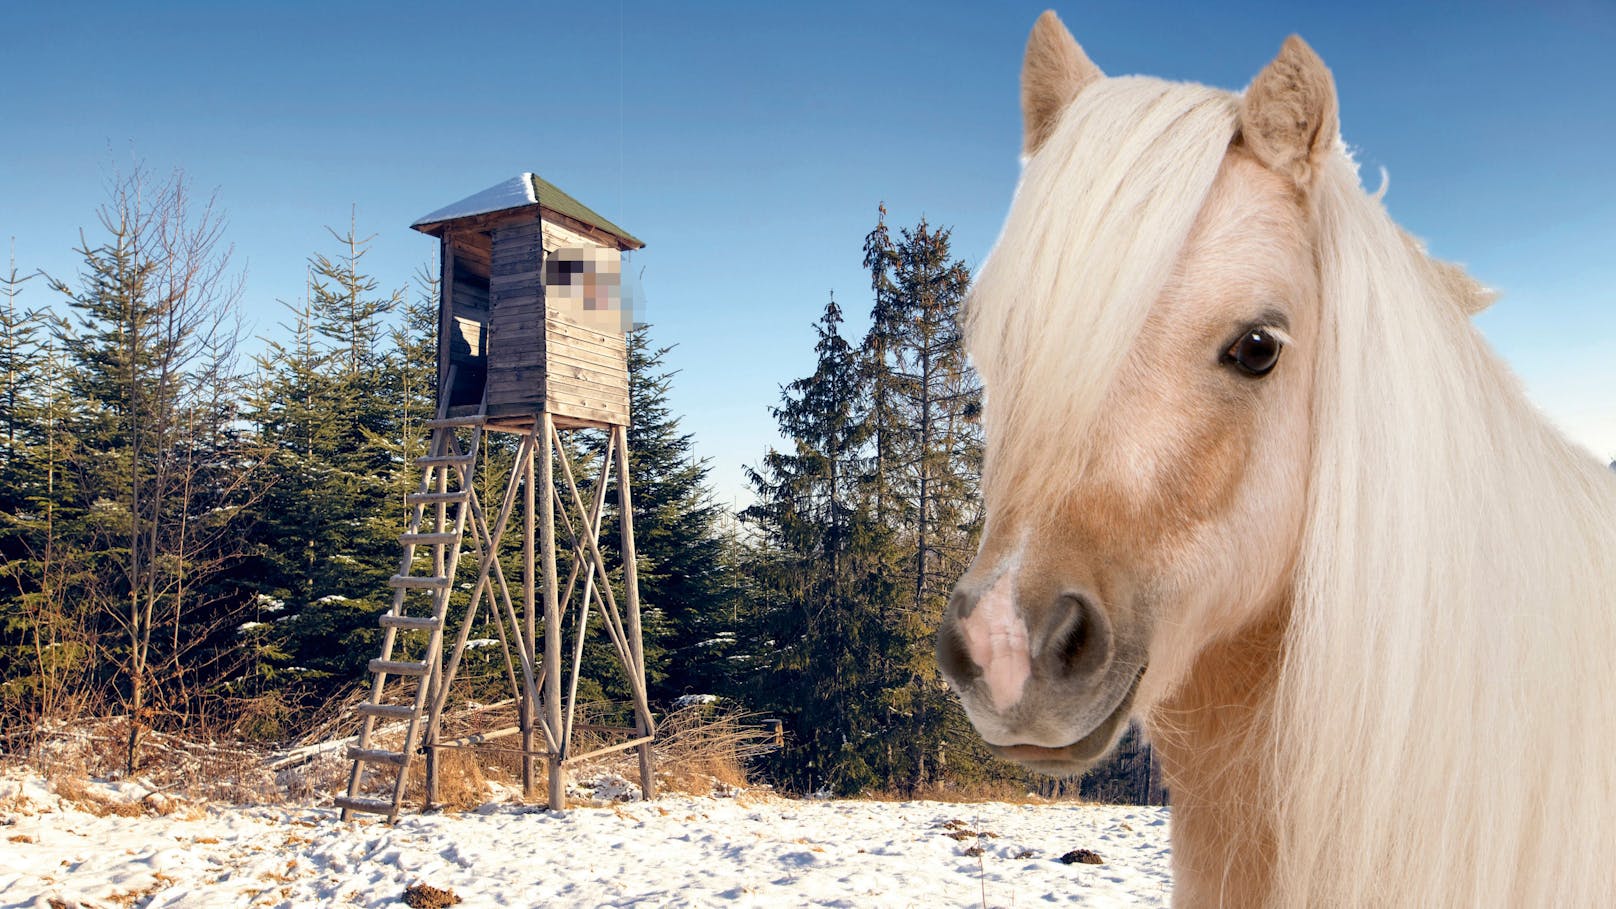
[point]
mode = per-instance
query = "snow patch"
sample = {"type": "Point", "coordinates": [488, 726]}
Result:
{"type": "Point", "coordinates": [680, 850]}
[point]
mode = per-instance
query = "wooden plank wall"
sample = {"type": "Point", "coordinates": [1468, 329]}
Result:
{"type": "Point", "coordinates": [586, 371]}
{"type": "Point", "coordinates": [516, 351]}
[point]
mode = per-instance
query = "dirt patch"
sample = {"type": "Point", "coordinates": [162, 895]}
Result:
{"type": "Point", "coordinates": [1082, 857]}
{"type": "Point", "coordinates": [426, 896]}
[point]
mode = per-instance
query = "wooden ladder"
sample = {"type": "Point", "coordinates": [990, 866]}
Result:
{"type": "Point", "coordinates": [439, 514]}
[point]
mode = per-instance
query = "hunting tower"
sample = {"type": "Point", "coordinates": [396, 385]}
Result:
{"type": "Point", "coordinates": [531, 327]}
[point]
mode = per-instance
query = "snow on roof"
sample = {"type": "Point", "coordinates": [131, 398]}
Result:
{"type": "Point", "coordinates": [520, 191]}
{"type": "Point", "coordinates": [513, 193]}
{"type": "Point", "coordinates": [517, 193]}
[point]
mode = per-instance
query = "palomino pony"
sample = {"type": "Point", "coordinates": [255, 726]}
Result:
{"type": "Point", "coordinates": [1253, 478]}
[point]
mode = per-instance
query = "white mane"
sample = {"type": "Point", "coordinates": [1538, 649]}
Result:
{"type": "Point", "coordinates": [1100, 214]}
{"type": "Point", "coordinates": [1445, 720]}
{"type": "Point", "coordinates": [1445, 735]}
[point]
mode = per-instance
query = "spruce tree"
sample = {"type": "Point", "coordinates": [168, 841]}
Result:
{"type": "Point", "coordinates": [823, 578]}
{"type": "Point", "coordinates": [924, 402]}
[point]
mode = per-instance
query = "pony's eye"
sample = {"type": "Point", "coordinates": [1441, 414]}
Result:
{"type": "Point", "coordinates": [1255, 352]}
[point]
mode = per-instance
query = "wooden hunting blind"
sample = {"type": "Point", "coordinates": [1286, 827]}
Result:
{"type": "Point", "coordinates": [532, 304]}
{"type": "Point", "coordinates": [532, 318]}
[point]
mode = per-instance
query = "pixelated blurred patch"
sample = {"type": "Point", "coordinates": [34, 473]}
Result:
{"type": "Point", "coordinates": [590, 277]}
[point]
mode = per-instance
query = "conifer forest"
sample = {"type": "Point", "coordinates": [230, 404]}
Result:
{"type": "Point", "coordinates": [197, 527]}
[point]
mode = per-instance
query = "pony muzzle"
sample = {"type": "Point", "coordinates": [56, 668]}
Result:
{"type": "Point", "coordinates": [1026, 663]}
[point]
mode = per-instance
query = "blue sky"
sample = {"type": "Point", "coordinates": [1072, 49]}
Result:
{"type": "Point", "coordinates": [749, 145]}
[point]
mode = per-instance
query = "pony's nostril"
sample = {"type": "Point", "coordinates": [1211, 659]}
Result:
{"type": "Point", "coordinates": [1080, 642]}
{"type": "Point", "coordinates": [1071, 649]}
{"type": "Point", "coordinates": [952, 656]}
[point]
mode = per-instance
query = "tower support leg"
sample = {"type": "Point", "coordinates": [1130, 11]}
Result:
{"type": "Point", "coordinates": [631, 592]}
{"type": "Point", "coordinates": [552, 613]}
{"type": "Point", "coordinates": [530, 710]}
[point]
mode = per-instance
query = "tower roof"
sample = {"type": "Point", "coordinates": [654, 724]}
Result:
{"type": "Point", "coordinates": [522, 191]}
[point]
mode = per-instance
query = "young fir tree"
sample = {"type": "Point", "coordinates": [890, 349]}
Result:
{"type": "Point", "coordinates": [824, 578]}
{"type": "Point", "coordinates": [411, 367]}
{"type": "Point", "coordinates": [350, 314]}
{"type": "Point", "coordinates": [21, 354]}
{"type": "Point", "coordinates": [328, 411]}
{"type": "Point", "coordinates": [21, 362]}
{"type": "Point", "coordinates": [44, 625]}
{"type": "Point", "coordinates": [291, 408]}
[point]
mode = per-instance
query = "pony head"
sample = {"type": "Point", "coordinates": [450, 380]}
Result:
{"type": "Point", "coordinates": [1143, 328]}
{"type": "Point", "coordinates": [1253, 476]}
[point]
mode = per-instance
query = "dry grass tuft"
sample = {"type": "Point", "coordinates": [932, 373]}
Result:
{"type": "Point", "coordinates": [199, 768]}
{"type": "Point", "coordinates": [73, 790]}
{"type": "Point", "coordinates": [700, 751]}
{"type": "Point", "coordinates": [462, 784]}
{"type": "Point", "coordinates": [140, 896]}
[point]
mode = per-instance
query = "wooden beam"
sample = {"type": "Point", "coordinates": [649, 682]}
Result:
{"type": "Point", "coordinates": [641, 742]}
{"type": "Point", "coordinates": [631, 591]}
{"type": "Point", "coordinates": [552, 617]}
{"type": "Point", "coordinates": [530, 624]}
{"type": "Point", "coordinates": [592, 527]}
{"type": "Point", "coordinates": [478, 738]}
{"type": "Point", "coordinates": [636, 680]}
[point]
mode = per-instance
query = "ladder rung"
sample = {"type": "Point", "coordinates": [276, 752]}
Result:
{"type": "Point", "coordinates": [405, 580]}
{"type": "Point", "coordinates": [456, 421]}
{"type": "Point", "coordinates": [373, 806]}
{"type": "Point", "coordinates": [410, 622]}
{"type": "Point", "coordinates": [397, 667]}
{"type": "Point", "coordinates": [432, 498]}
{"type": "Point", "coordinates": [395, 711]}
{"type": "Point", "coordinates": [376, 756]}
{"type": "Point", "coordinates": [444, 460]}
{"type": "Point", "coordinates": [428, 539]}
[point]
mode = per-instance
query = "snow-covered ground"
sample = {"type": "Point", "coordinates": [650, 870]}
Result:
{"type": "Point", "coordinates": [117, 847]}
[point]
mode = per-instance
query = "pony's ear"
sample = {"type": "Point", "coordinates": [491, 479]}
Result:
{"type": "Point", "coordinates": [1055, 70]}
{"type": "Point", "coordinates": [1288, 116]}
